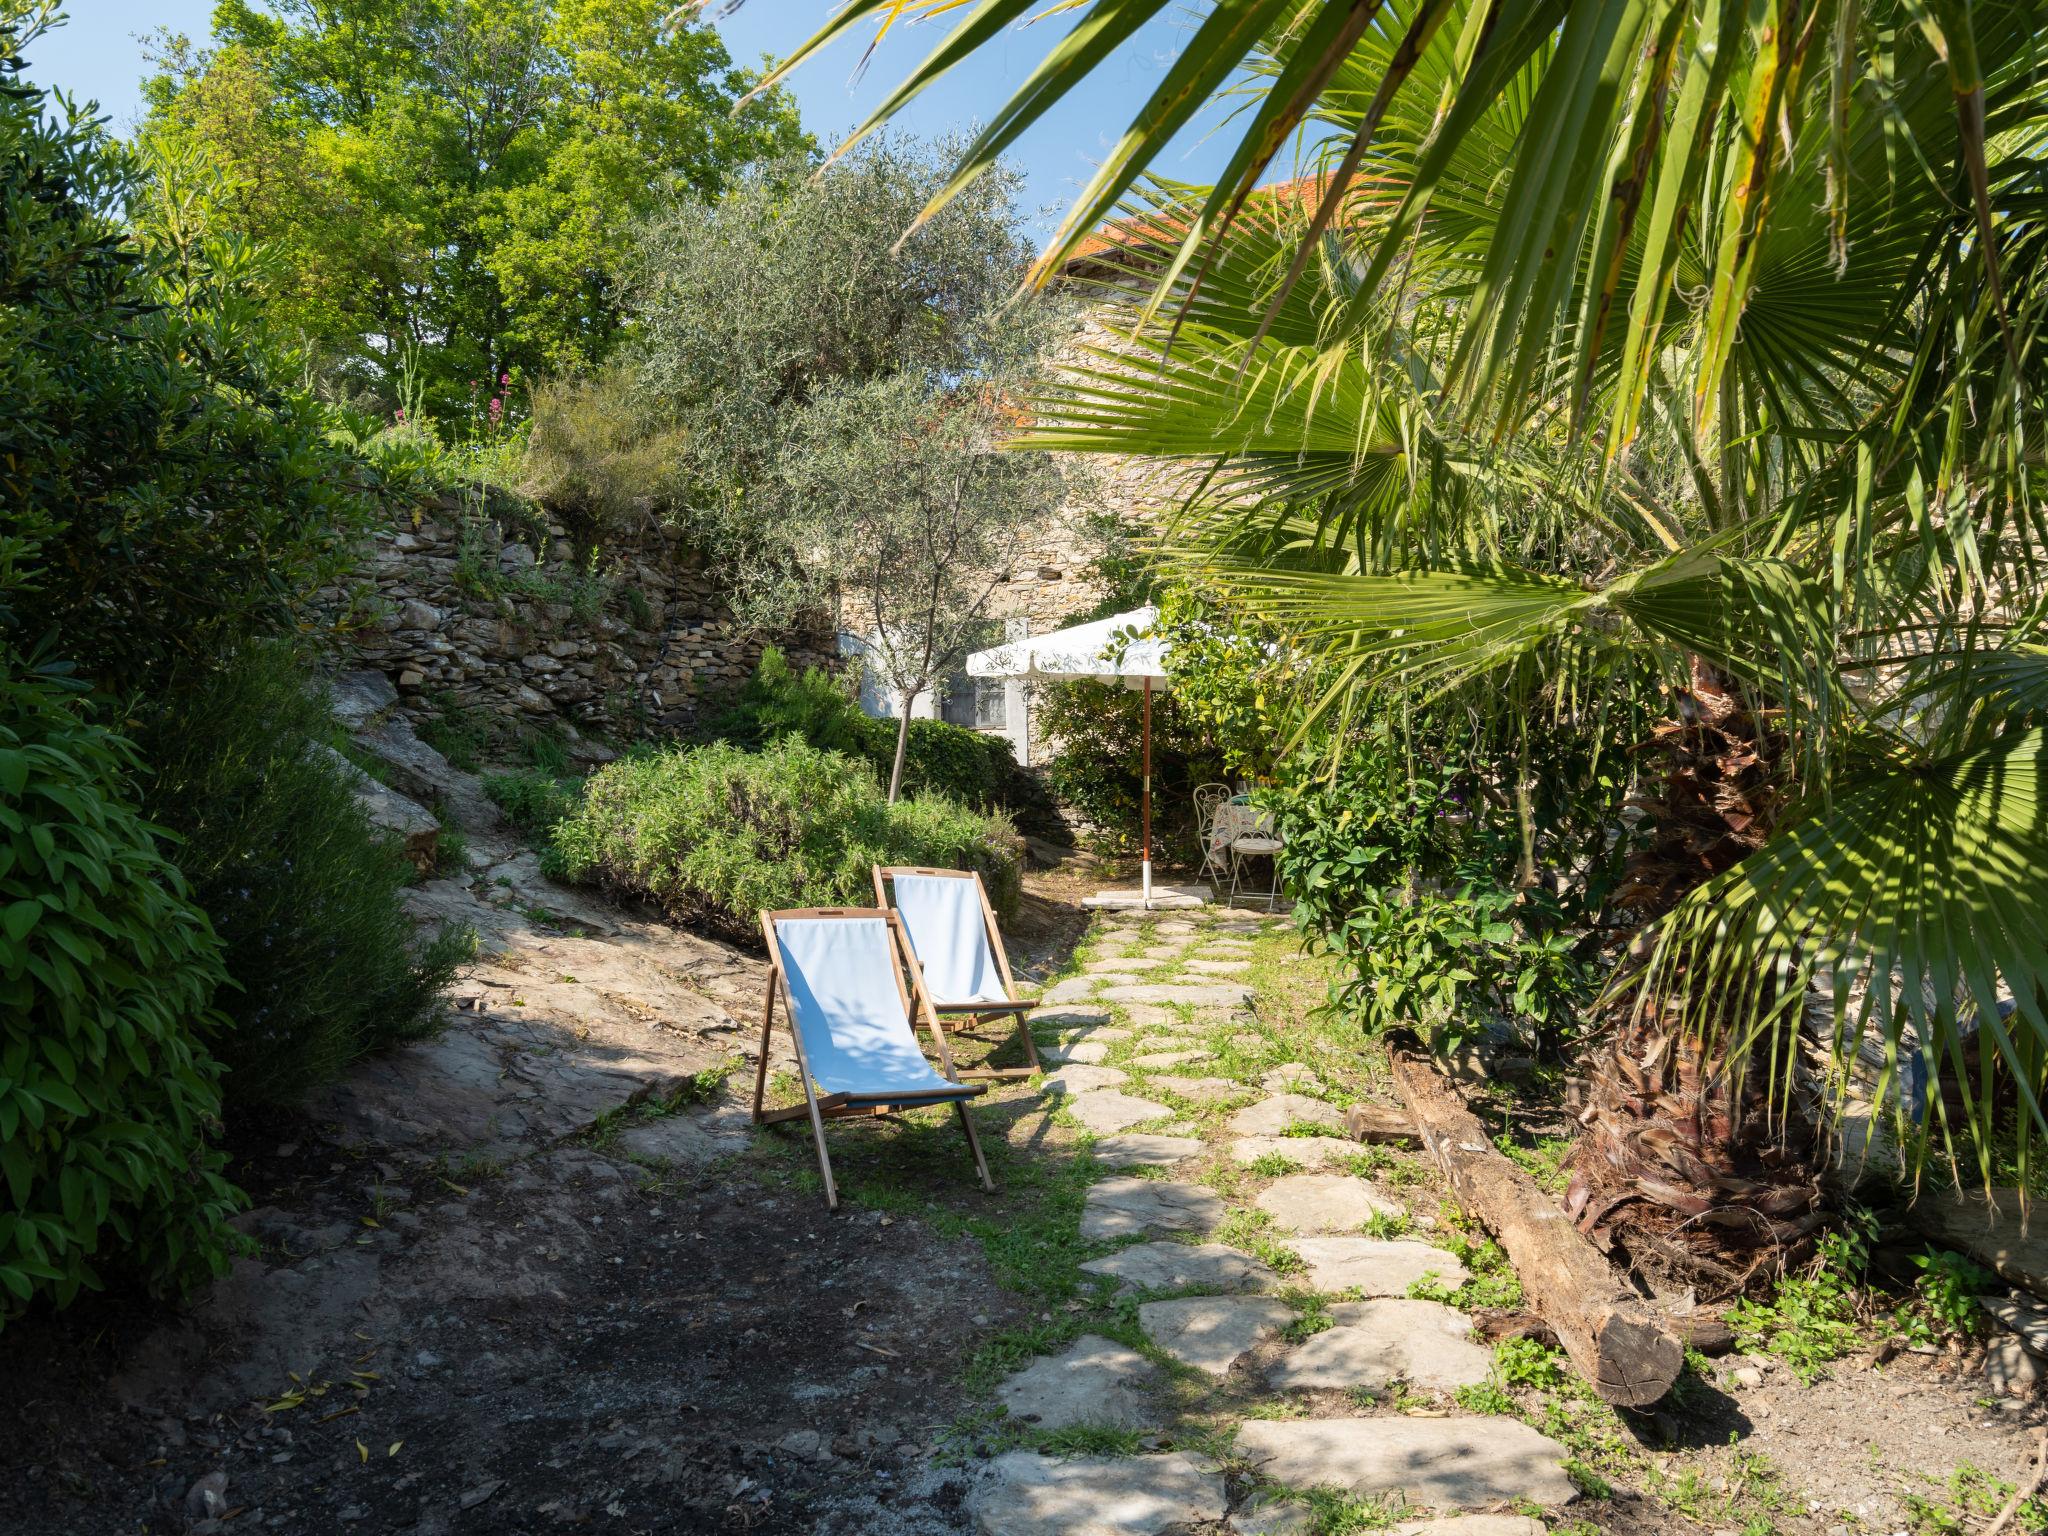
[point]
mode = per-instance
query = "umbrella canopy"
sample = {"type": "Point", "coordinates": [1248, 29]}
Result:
{"type": "Point", "coordinates": [1101, 652]}
{"type": "Point", "coordinates": [1098, 651]}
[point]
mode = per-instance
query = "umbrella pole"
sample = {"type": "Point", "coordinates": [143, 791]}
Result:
{"type": "Point", "coordinates": [1145, 799]}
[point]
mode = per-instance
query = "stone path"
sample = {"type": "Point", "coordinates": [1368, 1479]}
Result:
{"type": "Point", "coordinates": [1264, 1267]}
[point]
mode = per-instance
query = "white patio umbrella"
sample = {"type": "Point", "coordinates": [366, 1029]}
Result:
{"type": "Point", "coordinates": [1101, 652]}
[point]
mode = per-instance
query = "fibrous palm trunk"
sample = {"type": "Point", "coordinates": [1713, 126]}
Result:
{"type": "Point", "coordinates": [1685, 1162]}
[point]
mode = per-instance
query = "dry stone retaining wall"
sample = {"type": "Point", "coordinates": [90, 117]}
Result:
{"type": "Point", "coordinates": [627, 635]}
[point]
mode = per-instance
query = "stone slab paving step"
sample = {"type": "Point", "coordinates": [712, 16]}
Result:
{"type": "Point", "coordinates": [1323, 1202]}
{"type": "Point", "coordinates": [1288, 1077]}
{"type": "Point", "coordinates": [1075, 989]}
{"type": "Point", "coordinates": [1207, 1267]}
{"type": "Point", "coordinates": [1218, 967]}
{"type": "Point", "coordinates": [1081, 1078]}
{"type": "Point", "coordinates": [1151, 1015]}
{"type": "Point", "coordinates": [1140, 1149]}
{"type": "Point", "coordinates": [1163, 952]}
{"type": "Point", "coordinates": [1212, 1333]}
{"type": "Point", "coordinates": [1446, 1464]}
{"type": "Point", "coordinates": [1375, 1266]}
{"type": "Point", "coordinates": [1473, 1525]}
{"type": "Point", "coordinates": [1094, 1381]}
{"type": "Point", "coordinates": [1200, 1090]}
{"type": "Point", "coordinates": [1026, 1494]}
{"type": "Point", "coordinates": [1105, 1110]}
{"type": "Point", "coordinates": [1119, 966]}
{"type": "Point", "coordinates": [1302, 1151]}
{"type": "Point", "coordinates": [1090, 1051]}
{"type": "Point", "coordinates": [1155, 1060]}
{"type": "Point", "coordinates": [1128, 1207]}
{"type": "Point", "coordinates": [1373, 1342]}
{"type": "Point", "coordinates": [1271, 1117]}
{"type": "Point", "coordinates": [1070, 1018]}
{"type": "Point", "coordinates": [1194, 994]}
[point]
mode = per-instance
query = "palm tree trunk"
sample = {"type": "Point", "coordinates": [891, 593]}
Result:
{"type": "Point", "coordinates": [1683, 1162]}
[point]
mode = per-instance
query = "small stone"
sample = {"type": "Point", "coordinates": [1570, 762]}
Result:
{"type": "Point", "coordinates": [2011, 1369]}
{"type": "Point", "coordinates": [1093, 1382]}
{"type": "Point", "coordinates": [482, 1491]}
{"type": "Point", "coordinates": [1442, 1463]}
{"type": "Point", "coordinates": [803, 1444]}
{"type": "Point", "coordinates": [1301, 1151]}
{"type": "Point", "coordinates": [1375, 1266]}
{"type": "Point", "coordinates": [1746, 1376]}
{"type": "Point", "coordinates": [1208, 1267]}
{"type": "Point", "coordinates": [1271, 1117]}
{"type": "Point", "coordinates": [1140, 1149]}
{"type": "Point", "coordinates": [1211, 1333]}
{"type": "Point", "coordinates": [1473, 1525]}
{"type": "Point", "coordinates": [1128, 1207]}
{"type": "Point", "coordinates": [1080, 1079]}
{"type": "Point", "coordinates": [1105, 1110]}
{"type": "Point", "coordinates": [1323, 1202]}
{"type": "Point", "coordinates": [1375, 1342]}
{"type": "Point", "coordinates": [1026, 1494]}
{"type": "Point", "coordinates": [207, 1498]}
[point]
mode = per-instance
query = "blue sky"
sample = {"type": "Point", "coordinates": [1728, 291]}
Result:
{"type": "Point", "coordinates": [98, 54]}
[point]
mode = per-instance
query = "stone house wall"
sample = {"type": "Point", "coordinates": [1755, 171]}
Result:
{"type": "Point", "coordinates": [534, 628]}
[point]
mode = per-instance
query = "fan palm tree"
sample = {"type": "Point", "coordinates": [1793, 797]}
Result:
{"type": "Point", "coordinates": [1627, 339]}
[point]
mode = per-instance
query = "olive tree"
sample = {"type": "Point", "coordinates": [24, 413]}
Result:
{"type": "Point", "coordinates": [901, 506]}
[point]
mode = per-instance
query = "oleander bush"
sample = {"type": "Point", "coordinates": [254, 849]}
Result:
{"type": "Point", "coordinates": [108, 1096]}
{"type": "Point", "coordinates": [717, 833]}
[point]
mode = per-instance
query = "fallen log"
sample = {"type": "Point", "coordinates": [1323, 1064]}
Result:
{"type": "Point", "coordinates": [1618, 1342]}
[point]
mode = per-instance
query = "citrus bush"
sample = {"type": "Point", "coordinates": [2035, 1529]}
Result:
{"type": "Point", "coordinates": [107, 972]}
{"type": "Point", "coordinates": [717, 833]}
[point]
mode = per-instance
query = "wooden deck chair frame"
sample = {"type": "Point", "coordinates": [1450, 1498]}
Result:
{"type": "Point", "coordinates": [978, 1013]}
{"type": "Point", "coordinates": [835, 1106]}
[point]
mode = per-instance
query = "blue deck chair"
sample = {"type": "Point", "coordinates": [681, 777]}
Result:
{"type": "Point", "coordinates": [953, 934]}
{"type": "Point", "coordinates": [839, 972]}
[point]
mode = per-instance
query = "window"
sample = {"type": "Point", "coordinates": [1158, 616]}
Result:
{"type": "Point", "coordinates": [975, 702]}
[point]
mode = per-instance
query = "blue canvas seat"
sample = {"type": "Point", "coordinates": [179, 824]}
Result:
{"type": "Point", "coordinates": [840, 975]}
{"type": "Point", "coordinates": [952, 932]}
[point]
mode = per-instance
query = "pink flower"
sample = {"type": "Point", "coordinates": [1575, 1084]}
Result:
{"type": "Point", "coordinates": [401, 413]}
{"type": "Point", "coordinates": [504, 378]}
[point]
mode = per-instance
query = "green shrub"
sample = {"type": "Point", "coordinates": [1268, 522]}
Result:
{"type": "Point", "coordinates": [1096, 731]}
{"type": "Point", "coordinates": [717, 833]}
{"type": "Point", "coordinates": [107, 1096]}
{"type": "Point", "coordinates": [823, 710]}
{"type": "Point", "coordinates": [307, 897]}
{"type": "Point", "coordinates": [533, 800]}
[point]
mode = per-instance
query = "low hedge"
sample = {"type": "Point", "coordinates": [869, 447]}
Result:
{"type": "Point", "coordinates": [715, 834]}
{"type": "Point", "coordinates": [971, 767]}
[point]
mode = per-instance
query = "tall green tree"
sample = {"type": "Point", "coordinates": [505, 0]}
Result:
{"type": "Point", "coordinates": [1686, 341]}
{"type": "Point", "coordinates": [452, 186]}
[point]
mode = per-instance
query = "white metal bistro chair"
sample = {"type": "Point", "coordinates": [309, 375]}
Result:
{"type": "Point", "coordinates": [1209, 799]}
{"type": "Point", "coordinates": [839, 974]}
{"type": "Point", "coordinates": [1247, 833]}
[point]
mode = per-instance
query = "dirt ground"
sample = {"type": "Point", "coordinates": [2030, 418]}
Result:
{"type": "Point", "coordinates": [539, 1276]}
